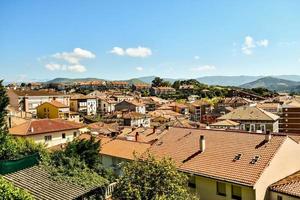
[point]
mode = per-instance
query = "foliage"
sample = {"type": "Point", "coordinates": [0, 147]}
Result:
{"type": "Point", "coordinates": [79, 163]}
{"type": "Point", "coordinates": [150, 178]}
{"type": "Point", "coordinates": [9, 191]}
{"type": "Point", "coordinates": [3, 105]}
{"type": "Point", "coordinates": [159, 82]}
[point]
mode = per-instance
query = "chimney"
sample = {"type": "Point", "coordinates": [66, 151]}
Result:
{"type": "Point", "coordinates": [136, 136]}
{"type": "Point", "coordinates": [32, 129]}
{"type": "Point", "coordinates": [202, 143]}
{"type": "Point", "coordinates": [154, 129]}
{"type": "Point", "coordinates": [268, 136]}
{"type": "Point", "coordinates": [167, 127]}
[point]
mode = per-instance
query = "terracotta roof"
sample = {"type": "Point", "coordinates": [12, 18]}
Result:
{"type": "Point", "coordinates": [37, 93]}
{"type": "Point", "coordinates": [289, 185]}
{"type": "Point", "coordinates": [240, 100]}
{"type": "Point", "coordinates": [119, 147]}
{"type": "Point", "coordinates": [249, 113]}
{"type": "Point", "coordinates": [123, 148]}
{"type": "Point", "coordinates": [268, 105]}
{"type": "Point", "coordinates": [119, 83]}
{"type": "Point", "coordinates": [134, 115]}
{"type": "Point", "coordinates": [38, 183]}
{"type": "Point", "coordinates": [217, 161]}
{"type": "Point", "coordinates": [81, 96]}
{"type": "Point", "coordinates": [226, 122]}
{"type": "Point", "coordinates": [57, 104]}
{"type": "Point", "coordinates": [40, 126]}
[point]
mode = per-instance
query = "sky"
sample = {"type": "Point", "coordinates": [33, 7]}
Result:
{"type": "Point", "coordinates": [117, 39]}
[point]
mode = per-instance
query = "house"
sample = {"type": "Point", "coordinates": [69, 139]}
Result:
{"type": "Point", "coordinates": [141, 87]}
{"type": "Point", "coordinates": [253, 119]}
{"type": "Point", "coordinates": [105, 129]}
{"type": "Point", "coordinates": [120, 97]}
{"type": "Point", "coordinates": [269, 106]}
{"type": "Point", "coordinates": [83, 104]}
{"type": "Point", "coordinates": [114, 151]}
{"type": "Point", "coordinates": [234, 102]}
{"type": "Point", "coordinates": [37, 181]}
{"type": "Point", "coordinates": [106, 105]}
{"type": "Point", "coordinates": [28, 100]}
{"type": "Point", "coordinates": [162, 91]}
{"type": "Point", "coordinates": [52, 110]}
{"type": "Point", "coordinates": [48, 131]}
{"type": "Point", "coordinates": [229, 164]}
{"type": "Point", "coordinates": [197, 109]}
{"type": "Point", "coordinates": [289, 121]}
{"type": "Point", "coordinates": [225, 124]}
{"type": "Point", "coordinates": [131, 106]}
{"type": "Point", "coordinates": [136, 119]}
{"type": "Point", "coordinates": [118, 85]}
{"type": "Point", "coordinates": [180, 108]}
{"type": "Point", "coordinates": [287, 188]}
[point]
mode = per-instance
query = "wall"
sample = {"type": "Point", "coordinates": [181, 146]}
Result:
{"type": "Point", "coordinates": [206, 189]}
{"type": "Point", "coordinates": [284, 163]}
{"type": "Point", "coordinates": [56, 137]}
{"type": "Point", "coordinates": [273, 196]}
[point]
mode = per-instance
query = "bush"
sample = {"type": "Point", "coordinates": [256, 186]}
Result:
{"type": "Point", "coordinates": [8, 191]}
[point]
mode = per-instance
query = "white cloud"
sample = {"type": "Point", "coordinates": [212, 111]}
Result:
{"type": "Point", "coordinates": [250, 44]}
{"type": "Point", "coordinates": [75, 56]}
{"type": "Point", "coordinates": [72, 60]}
{"type": "Point", "coordinates": [53, 66]}
{"type": "Point", "coordinates": [139, 68]}
{"type": "Point", "coordinates": [204, 68]}
{"type": "Point", "coordinates": [118, 51]}
{"type": "Point", "coordinates": [132, 52]}
{"type": "Point", "coordinates": [196, 57]}
{"type": "Point", "coordinates": [76, 68]}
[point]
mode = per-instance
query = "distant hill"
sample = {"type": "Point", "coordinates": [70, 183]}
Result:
{"type": "Point", "coordinates": [272, 83]}
{"type": "Point", "coordinates": [227, 80]}
{"type": "Point", "coordinates": [68, 80]}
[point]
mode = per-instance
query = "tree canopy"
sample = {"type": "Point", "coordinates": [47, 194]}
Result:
{"type": "Point", "coordinates": [8, 191]}
{"type": "Point", "coordinates": [150, 178]}
{"type": "Point", "coordinates": [159, 82]}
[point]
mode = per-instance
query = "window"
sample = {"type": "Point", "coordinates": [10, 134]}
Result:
{"type": "Point", "coordinates": [63, 135]}
{"type": "Point", "coordinates": [75, 134]}
{"type": "Point", "coordinates": [252, 127]}
{"type": "Point", "coordinates": [45, 110]}
{"type": "Point", "coordinates": [263, 128]}
{"type": "Point", "coordinates": [279, 197]}
{"type": "Point", "coordinates": [221, 189]}
{"type": "Point", "coordinates": [236, 192]}
{"type": "Point", "coordinates": [48, 138]}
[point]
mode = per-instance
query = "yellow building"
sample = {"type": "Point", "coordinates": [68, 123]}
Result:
{"type": "Point", "coordinates": [52, 110]}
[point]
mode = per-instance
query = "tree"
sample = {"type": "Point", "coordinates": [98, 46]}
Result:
{"type": "Point", "coordinates": [157, 81]}
{"type": "Point", "coordinates": [3, 106]}
{"type": "Point", "coordinates": [150, 178]}
{"type": "Point", "coordinates": [9, 191]}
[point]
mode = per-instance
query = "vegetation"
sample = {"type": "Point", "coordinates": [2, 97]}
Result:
{"type": "Point", "coordinates": [9, 191]}
{"type": "Point", "coordinates": [159, 82]}
{"type": "Point", "coordinates": [79, 163]}
{"type": "Point", "coordinates": [151, 179]}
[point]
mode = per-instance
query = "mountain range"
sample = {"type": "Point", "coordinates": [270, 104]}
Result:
{"type": "Point", "coordinates": [280, 83]}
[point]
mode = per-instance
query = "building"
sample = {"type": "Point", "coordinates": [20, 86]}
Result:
{"type": "Point", "coordinates": [229, 164]}
{"type": "Point", "coordinates": [29, 100]}
{"type": "Point", "coordinates": [180, 108]}
{"type": "Point", "coordinates": [269, 106]}
{"type": "Point", "coordinates": [225, 124]}
{"type": "Point", "coordinates": [141, 87]}
{"type": "Point", "coordinates": [131, 106]}
{"type": "Point", "coordinates": [253, 119]}
{"type": "Point", "coordinates": [289, 121]}
{"type": "Point", "coordinates": [84, 104]}
{"type": "Point", "coordinates": [136, 119]}
{"type": "Point", "coordinates": [106, 105]}
{"type": "Point", "coordinates": [198, 109]}
{"type": "Point", "coordinates": [50, 132]}
{"type": "Point", "coordinates": [52, 110]}
{"type": "Point", "coordinates": [234, 102]}
{"type": "Point", "coordinates": [118, 85]}
{"type": "Point", "coordinates": [287, 188]}
{"type": "Point", "coordinates": [162, 91]}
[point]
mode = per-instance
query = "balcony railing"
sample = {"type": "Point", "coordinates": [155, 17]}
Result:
{"type": "Point", "coordinates": [110, 189]}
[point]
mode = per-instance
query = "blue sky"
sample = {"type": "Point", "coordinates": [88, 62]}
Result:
{"type": "Point", "coordinates": [124, 39]}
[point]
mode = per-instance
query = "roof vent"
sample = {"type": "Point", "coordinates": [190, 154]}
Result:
{"type": "Point", "coordinates": [237, 157]}
{"type": "Point", "coordinates": [254, 159]}
{"type": "Point", "coordinates": [202, 143]}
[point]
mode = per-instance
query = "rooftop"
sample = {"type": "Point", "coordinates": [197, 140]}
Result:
{"type": "Point", "coordinates": [289, 185]}
{"type": "Point", "coordinates": [40, 126]}
{"type": "Point", "coordinates": [218, 159]}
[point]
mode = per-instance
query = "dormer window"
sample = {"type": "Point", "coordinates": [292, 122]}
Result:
{"type": "Point", "coordinates": [254, 159]}
{"type": "Point", "coordinates": [237, 157]}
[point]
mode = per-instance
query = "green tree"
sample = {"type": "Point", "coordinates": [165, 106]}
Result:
{"type": "Point", "coordinates": [151, 179]}
{"type": "Point", "coordinates": [157, 81]}
{"type": "Point", "coordinates": [3, 106]}
{"type": "Point", "coordinates": [176, 84]}
{"type": "Point", "coordinates": [9, 191]}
